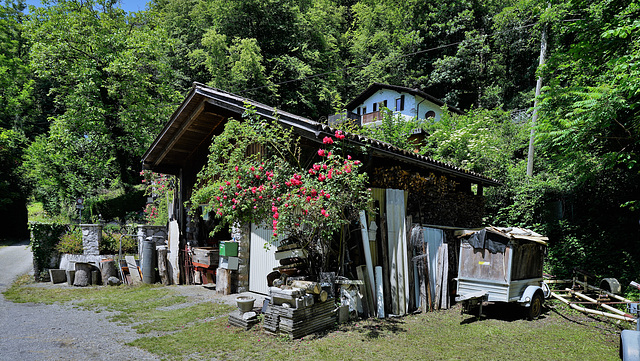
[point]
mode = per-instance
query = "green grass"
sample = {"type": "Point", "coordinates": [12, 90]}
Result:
{"type": "Point", "coordinates": [36, 213]}
{"type": "Point", "coordinates": [174, 328]}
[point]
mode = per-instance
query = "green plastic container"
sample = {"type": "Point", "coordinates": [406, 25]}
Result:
{"type": "Point", "coordinates": [229, 249]}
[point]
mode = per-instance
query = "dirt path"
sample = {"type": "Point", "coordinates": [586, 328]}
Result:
{"type": "Point", "coordinates": [56, 332]}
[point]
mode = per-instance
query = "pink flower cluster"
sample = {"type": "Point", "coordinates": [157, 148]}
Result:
{"type": "Point", "coordinates": [308, 191]}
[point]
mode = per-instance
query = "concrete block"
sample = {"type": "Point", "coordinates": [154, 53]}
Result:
{"type": "Point", "coordinates": [57, 276]}
{"type": "Point", "coordinates": [71, 276]}
{"type": "Point", "coordinates": [230, 263]}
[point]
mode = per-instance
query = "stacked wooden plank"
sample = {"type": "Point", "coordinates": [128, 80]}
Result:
{"type": "Point", "coordinates": [293, 260]}
{"type": "Point", "coordinates": [301, 321]}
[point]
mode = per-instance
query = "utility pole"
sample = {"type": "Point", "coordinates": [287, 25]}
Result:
{"type": "Point", "coordinates": [534, 118]}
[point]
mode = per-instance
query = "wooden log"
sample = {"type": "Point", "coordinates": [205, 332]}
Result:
{"type": "Point", "coordinates": [108, 269]}
{"type": "Point", "coordinates": [223, 281]}
{"type": "Point", "coordinates": [607, 307]}
{"type": "Point", "coordinates": [162, 266]}
{"type": "Point", "coordinates": [308, 286]}
{"type": "Point", "coordinates": [323, 296]}
{"type": "Point", "coordinates": [595, 312]}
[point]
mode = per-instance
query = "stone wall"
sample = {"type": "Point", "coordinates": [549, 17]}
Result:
{"type": "Point", "coordinates": [242, 234]}
{"type": "Point", "coordinates": [91, 238]}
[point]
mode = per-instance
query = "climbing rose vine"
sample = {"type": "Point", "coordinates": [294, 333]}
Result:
{"type": "Point", "coordinates": [258, 172]}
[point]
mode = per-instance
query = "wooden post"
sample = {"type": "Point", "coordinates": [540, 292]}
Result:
{"type": "Point", "coordinates": [162, 266]}
{"type": "Point", "coordinates": [223, 281]}
{"type": "Point", "coordinates": [367, 257]}
{"type": "Point", "coordinates": [362, 275]}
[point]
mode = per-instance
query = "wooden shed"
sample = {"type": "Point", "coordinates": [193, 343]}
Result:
{"type": "Point", "coordinates": [436, 193]}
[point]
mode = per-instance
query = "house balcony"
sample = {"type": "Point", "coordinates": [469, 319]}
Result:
{"type": "Point", "coordinates": [371, 117]}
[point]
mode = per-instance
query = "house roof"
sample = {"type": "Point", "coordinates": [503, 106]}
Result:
{"type": "Point", "coordinates": [205, 109]}
{"type": "Point", "coordinates": [400, 89]}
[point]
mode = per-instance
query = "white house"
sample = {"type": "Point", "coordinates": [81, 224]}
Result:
{"type": "Point", "coordinates": [406, 101]}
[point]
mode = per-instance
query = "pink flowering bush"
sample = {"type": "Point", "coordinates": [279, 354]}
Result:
{"type": "Point", "coordinates": [159, 187]}
{"type": "Point", "coordinates": [306, 194]}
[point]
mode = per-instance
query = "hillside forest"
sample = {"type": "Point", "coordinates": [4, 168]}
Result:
{"type": "Point", "coordinates": [85, 87]}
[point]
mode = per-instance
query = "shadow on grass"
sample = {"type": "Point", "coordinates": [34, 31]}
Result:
{"type": "Point", "coordinates": [375, 328]}
{"type": "Point", "coordinates": [508, 312]}
{"type": "Point", "coordinates": [372, 328]}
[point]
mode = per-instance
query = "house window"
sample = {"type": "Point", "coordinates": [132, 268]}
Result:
{"type": "Point", "coordinates": [358, 111]}
{"type": "Point", "coordinates": [375, 107]}
{"type": "Point", "coordinates": [364, 110]}
{"type": "Point", "coordinates": [383, 104]}
{"type": "Point", "coordinates": [430, 114]}
{"type": "Point", "coordinates": [400, 104]}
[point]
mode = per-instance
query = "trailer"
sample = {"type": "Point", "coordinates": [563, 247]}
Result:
{"type": "Point", "coordinates": [502, 265]}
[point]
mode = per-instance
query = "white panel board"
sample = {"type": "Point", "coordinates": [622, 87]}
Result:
{"type": "Point", "coordinates": [261, 260]}
{"type": "Point", "coordinates": [174, 251]}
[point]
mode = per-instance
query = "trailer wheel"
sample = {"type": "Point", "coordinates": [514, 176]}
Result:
{"type": "Point", "coordinates": [535, 307]}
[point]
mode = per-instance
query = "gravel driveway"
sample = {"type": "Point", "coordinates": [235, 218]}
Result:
{"type": "Point", "coordinates": [60, 332]}
{"type": "Point", "coordinates": [56, 332]}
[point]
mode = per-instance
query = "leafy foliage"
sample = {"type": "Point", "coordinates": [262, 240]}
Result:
{"type": "Point", "coordinates": [15, 82]}
{"type": "Point", "coordinates": [161, 188]}
{"type": "Point", "coordinates": [71, 242]}
{"type": "Point", "coordinates": [44, 238]}
{"type": "Point", "coordinates": [304, 196]}
{"type": "Point", "coordinates": [106, 67]}
{"type": "Point", "coordinates": [395, 129]}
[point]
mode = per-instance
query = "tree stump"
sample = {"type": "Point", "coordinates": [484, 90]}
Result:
{"type": "Point", "coordinates": [108, 269]}
{"type": "Point", "coordinates": [83, 274]}
{"type": "Point", "coordinates": [162, 265]}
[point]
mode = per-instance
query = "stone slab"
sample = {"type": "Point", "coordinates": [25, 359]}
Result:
{"type": "Point", "coordinates": [57, 275]}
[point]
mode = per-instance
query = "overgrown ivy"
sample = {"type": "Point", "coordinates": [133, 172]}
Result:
{"type": "Point", "coordinates": [44, 238]}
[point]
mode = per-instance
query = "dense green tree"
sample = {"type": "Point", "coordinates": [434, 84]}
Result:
{"type": "Point", "coordinates": [589, 131]}
{"type": "Point", "coordinates": [264, 50]}
{"type": "Point", "coordinates": [446, 49]}
{"type": "Point", "coordinates": [112, 87]}
{"type": "Point", "coordinates": [13, 188]}
{"type": "Point", "coordinates": [15, 82]}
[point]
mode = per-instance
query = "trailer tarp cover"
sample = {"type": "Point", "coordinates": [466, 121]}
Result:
{"type": "Point", "coordinates": [495, 239]}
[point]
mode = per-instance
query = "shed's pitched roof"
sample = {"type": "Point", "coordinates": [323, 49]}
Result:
{"type": "Point", "coordinates": [204, 109]}
{"type": "Point", "coordinates": [400, 89]}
